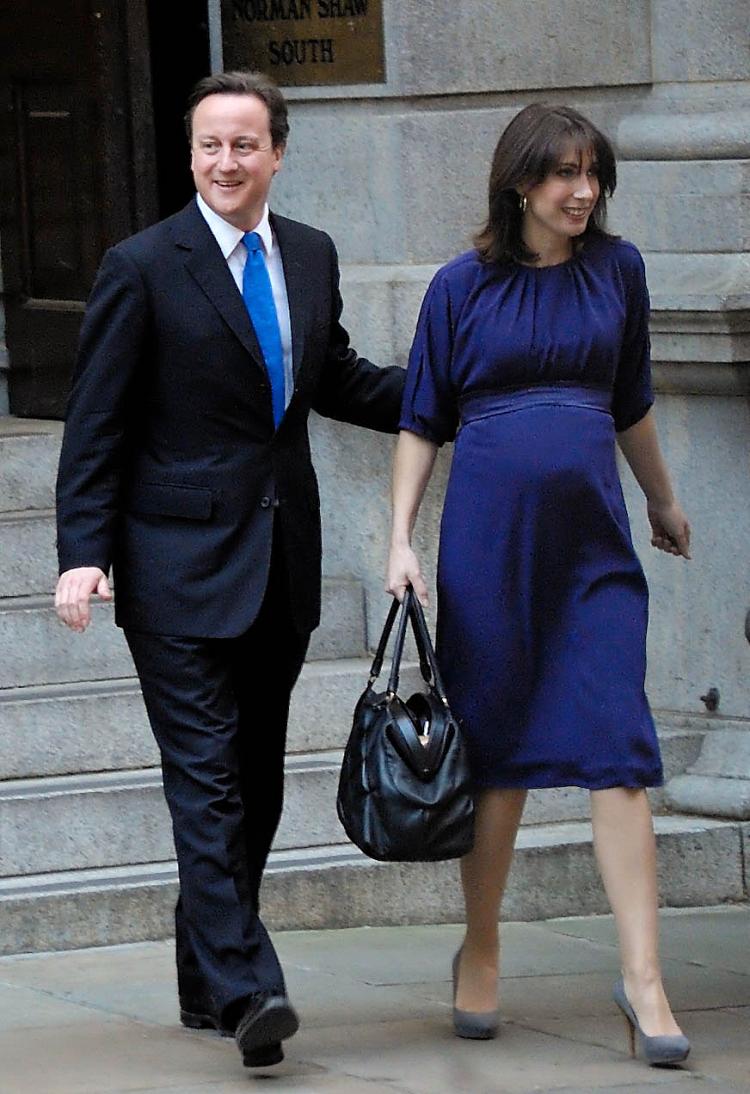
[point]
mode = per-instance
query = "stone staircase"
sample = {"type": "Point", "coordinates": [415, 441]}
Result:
{"type": "Point", "coordinates": [85, 841]}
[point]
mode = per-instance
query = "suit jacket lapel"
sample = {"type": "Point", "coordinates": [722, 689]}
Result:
{"type": "Point", "coordinates": [208, 267]}
{"type": "Point", "coordinates": [297, 278]}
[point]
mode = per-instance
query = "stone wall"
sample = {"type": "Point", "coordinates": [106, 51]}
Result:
{"type": "Point", "coordinates": [397, 173]}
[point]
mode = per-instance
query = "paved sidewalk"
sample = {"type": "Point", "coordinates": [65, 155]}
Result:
{"type": "Point", "coordinates": [375, 1010]}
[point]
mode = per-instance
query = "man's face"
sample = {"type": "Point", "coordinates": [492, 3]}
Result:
{"type": "Point", "coordinates": [232, 158]}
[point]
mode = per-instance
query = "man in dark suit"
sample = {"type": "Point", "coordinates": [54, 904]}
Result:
{"type": "Point", "coordinates": [186, 467]}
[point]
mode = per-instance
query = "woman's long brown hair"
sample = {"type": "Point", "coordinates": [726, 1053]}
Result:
{"type": "Point", "coordinates": [530, 147]}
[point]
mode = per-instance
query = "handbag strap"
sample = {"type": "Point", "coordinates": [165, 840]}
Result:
{"type": "Point", "coordinates": [411, 610]}
{"type": "Point", "coordinates": [377, 663]}
{"type": "Point", "coordinates": [424, 643]}
{"type": "Point", "coordinates": [398, 645]}
{"type": "Point", "coordinates": [425, 665]}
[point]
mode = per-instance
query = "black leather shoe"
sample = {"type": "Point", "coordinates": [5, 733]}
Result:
{"type": "Point", "coordinates": [195, 1019]}
{"type": "Point", "coordinates": [267, 1020]}
{"type": "Point", "coordinates": [266, 1056]}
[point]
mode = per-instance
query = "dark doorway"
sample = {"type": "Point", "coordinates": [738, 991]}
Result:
{"type": "Point", "coordinates": [90, 152]}
{"type": "Point", "coordinates": [180, 56]}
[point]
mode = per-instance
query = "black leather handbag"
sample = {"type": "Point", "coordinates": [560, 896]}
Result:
{"type": "Point", "coordinates": [404, 791]}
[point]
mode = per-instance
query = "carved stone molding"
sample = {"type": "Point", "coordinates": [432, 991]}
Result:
{"type": "Point", "coordinates": [717, 135]}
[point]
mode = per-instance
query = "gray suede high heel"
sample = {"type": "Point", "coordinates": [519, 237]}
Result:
{"type": "Point", "coordinates": [475, 1025]}
{"type": "Point", "coordinates": [659, 1051]}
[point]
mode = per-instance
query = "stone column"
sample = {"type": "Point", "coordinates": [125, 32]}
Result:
{"type": "Point", "coordinates": [684, 199]}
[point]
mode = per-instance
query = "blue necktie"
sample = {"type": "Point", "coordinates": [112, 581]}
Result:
{"type": "Point", "coordinates": [258, 297]}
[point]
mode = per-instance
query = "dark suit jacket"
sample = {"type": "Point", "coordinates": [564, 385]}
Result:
{"type": "Point", "coordinates": [170, 470]}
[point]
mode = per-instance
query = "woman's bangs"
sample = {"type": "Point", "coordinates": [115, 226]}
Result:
{"type": "Point", "coordinates": [558, 148]}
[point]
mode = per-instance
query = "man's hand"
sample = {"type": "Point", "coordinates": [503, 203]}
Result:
{"type": "Point", "coordinates": [74, 590]}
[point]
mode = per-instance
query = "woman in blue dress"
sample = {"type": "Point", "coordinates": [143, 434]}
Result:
{"type": "Point", "coordinates": [532, 354]}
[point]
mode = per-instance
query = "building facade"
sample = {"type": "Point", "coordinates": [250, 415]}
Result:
{"type": "Point", "coordinates": [395, 167]}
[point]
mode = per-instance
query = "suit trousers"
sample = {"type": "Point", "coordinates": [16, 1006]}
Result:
{"type": "Point", "coordinates": [218, 709]}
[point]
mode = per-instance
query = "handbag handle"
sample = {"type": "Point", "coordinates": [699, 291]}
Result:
{"type": "Point", "coordinates": [424, 660]}
{"type": "Point", "coordinates": [377, 663]}
{"type": "Point", "coordinates": [424, 644]}
{"type": "Point", "coordinates": [412, 610]}
{"type": "Point", "coordinates": [398, 645]}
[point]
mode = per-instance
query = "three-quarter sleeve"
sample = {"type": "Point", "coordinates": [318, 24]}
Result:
{"type": "Point", "coordinates": [632, 394]}
{"type": "Point", "coordinates": [429, 405]}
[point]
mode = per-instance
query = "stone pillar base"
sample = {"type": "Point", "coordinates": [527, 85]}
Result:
{"type": "Point", "coordinates": [718, 783]}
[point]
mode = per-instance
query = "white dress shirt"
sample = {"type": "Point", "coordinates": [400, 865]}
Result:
{"type": "Point", "coordinates": [230, 242]}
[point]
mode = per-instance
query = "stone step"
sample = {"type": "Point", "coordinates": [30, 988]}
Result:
{"type": "Point", "coordinates": [699, 722]}
{"type": "Point", "coordinates": [35, 648]}
{"type": "Point", "coordinates": [27, 548]}
{"type": "Point", "coordinates": [64, 729]}
{"type": "Point", "coordinates": [553, 874]}
{"type": "Point", "coordinates": [106, 819]}
{"type": "Point", "coordinates": [29, 451]}
{"type": "Point", "coordinates": [115, 818]}
{"type": "Point", "coordinates": [700, 863]}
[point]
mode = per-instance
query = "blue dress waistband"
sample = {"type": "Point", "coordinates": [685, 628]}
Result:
{"type": "Point", "coordinates": [476, 405]}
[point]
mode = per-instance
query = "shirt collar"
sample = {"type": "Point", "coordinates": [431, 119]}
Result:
{"type": "Point", "coordinates": [227, 236]}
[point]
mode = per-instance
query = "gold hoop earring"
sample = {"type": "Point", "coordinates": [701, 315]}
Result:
{"type": "Point", "coordinates": [522, 203]}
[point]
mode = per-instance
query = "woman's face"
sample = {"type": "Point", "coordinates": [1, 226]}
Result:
{"type": "Point", "coordinates": [559, 207]}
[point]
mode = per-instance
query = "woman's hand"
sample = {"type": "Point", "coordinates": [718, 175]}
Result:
{"type": "Point", "coordinates": [670, 530]}
{"type": "Point", "coordinates": [403, 570]}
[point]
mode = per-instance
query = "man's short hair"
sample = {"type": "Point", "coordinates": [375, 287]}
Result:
{"type": "Point", "coordinates": [243, 83]}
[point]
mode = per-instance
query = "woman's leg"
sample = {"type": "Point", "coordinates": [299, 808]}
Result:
{"type": "Point", "coordinates": [484, 872]}
{"type": "Point", "coordinates": [626, 853]}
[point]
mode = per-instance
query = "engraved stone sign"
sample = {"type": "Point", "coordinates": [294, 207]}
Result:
{"type": "Point", "coordinates": [306, 42]}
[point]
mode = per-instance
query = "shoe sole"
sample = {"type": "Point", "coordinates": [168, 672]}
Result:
{"type": "Point", "coordinates": [475, 1034]}
{"type": "Point", "coordinates": [190, 1020]}
{"type": "Point", "coordinates": [275, 1022]}
{"type": "Point", "coordinates": [670, 1062]}
{"type": "Point", "coordinates": [266, 1056]}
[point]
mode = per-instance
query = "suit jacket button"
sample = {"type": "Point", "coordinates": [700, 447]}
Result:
{"type": "Point", "coordinates": [265, 502]}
